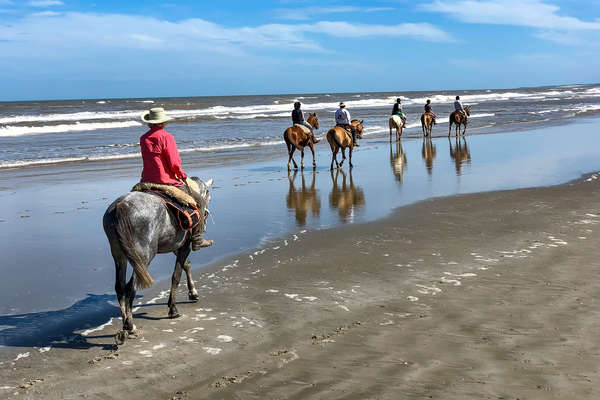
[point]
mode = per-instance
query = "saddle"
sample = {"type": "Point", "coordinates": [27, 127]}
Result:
{"type": "Point", "coordinates": [187, 216]}
{"type": "Point", "coordinates": [304, 129]}
{"type": "Point", "coordinates": [176, 200]}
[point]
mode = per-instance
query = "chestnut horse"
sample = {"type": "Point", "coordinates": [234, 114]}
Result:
{"type": "Point", "coordinates": [458, 119]}
{"type": "Point", "coordinates": [339, 138]}
{"type": "Point", "coordinates": [296, 138]}
{"type": "Point", "coordinates": [396, 122]}
{"type": "Point", "coordinates": [427, 122]}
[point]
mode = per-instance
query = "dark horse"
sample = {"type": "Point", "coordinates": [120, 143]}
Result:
{"type": "Point", "coordinates": [458, 119]}
{"type": "Point", "coordinates": [296, 138]}
{"type": "Point", "coordinates": [138, 226]}
{"type": "Point", "coordinates": [340, 138]}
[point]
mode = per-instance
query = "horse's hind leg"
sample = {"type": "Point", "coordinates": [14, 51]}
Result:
{"type": "Point", "coordinates": [192, 292]}
{"type": "Point", "coordinates": [350, 157]}
{"type": "Point", "coordinates": [302, 158]}
{"type": "Point", "coordinates": [343, 157]}
{"type": "Point", "coordinates": [291, 150]}
{"type": "Point", "coordinates": [128, 324]}
{"type": "Point", "coordinates": [121, 275]}
{"type": "Point", "coordinates": [182, 256]}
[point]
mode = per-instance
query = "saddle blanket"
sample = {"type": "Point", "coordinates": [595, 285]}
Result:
{"type": "Point", "coordinates": [188, 216]}
{"type": "Point", "coordinates": [304, 128]}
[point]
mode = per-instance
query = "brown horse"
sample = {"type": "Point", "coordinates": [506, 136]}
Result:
{"type": "Point", "coordinates": [339, 138]}
{"type": "Point", "coordinates": [296, 138]}
{"type": "Point", "coordinates": [458, 119]}
{"type": "Point", "coordinates": [395, 122]}
{"type": "Point", "coordinates": [427, 122]}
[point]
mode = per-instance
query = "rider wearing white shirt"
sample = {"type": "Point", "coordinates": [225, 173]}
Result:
{"type": "Point", "coordinates": [458, 106]}
{"type": "Point", "coordinates": [342, 118]}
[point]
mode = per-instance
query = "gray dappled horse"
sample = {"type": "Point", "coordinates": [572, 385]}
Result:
{"type": "Point", "coordinates": [139, 226]}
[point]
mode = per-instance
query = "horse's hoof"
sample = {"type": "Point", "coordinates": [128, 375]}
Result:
{"type": "Point", "coordinates": [174, 314]}
{"type": "Point", "coordinates": [120, 337]}
{"type": "Point", "coordinates": [193, 296]}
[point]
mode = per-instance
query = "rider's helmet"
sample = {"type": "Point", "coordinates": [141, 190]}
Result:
{"type": "Point", "coordinates": [428, 101]}
{"type": "Point", "coordinates": [297, 105]}
{"type": "Point", "coordinates": [398, 100]}
{"type": "Point", "coordinates": [457, 97]}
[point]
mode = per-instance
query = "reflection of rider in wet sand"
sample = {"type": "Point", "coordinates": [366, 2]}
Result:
{"type": "Point", "coordinates": [398, 160]}
{"type": "Point", "coordinates": [347, 198]}
{"type": "Point", "coordinates": [459, 153]}
{"type": "Point", "coordinates": [428, 153]}
{"type": "Point", "coordinates": [304, 199]}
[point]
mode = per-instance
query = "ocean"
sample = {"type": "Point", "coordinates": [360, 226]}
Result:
{"type": "Point", "coordinates": [52, 132]}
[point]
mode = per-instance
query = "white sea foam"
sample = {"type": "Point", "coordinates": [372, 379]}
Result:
{"type": "Point", "coordinates": [18, 130]}
{"type": "Point", "coordinates": [98, 328]}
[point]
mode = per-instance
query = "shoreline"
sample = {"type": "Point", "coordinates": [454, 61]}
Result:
{"type": "Point", "coordinates": [390, 310]}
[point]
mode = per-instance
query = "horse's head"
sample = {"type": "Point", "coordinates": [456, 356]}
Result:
{"type": "Point", "coordinates": [203, 189]}
{"type": "Point", "coordinates": [358, 125]}
{"type": "Point", "coordinates": [468, 110]}
{"type": "Point", "coordinates": [313, 120]}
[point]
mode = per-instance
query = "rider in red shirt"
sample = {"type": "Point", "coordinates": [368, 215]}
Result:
{"type": "Point", "coordinates": [162, 163]}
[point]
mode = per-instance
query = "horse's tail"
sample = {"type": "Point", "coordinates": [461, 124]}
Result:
{"type": "Point", "coordinates": [334, 138]}
{"type": "Point", "coordinates": [140, 268]}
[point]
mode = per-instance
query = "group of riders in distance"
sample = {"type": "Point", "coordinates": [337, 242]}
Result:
{"type": "Point", "coordinates": [166, 211]}
{"type": "Point", "coordinates": [346, 130]}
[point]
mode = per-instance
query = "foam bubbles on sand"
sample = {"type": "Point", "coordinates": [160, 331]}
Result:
{"type": "Point", "coordinates": [159, 346]}
{"type": "Point", "coordinates": [146, 353]}
{"type": "Point", "coordinates": [432, 290]}
{"type": "Point", "coordinates": [224, 338]}
{"type": "Point", "coordinates": [22, 355]}
{"type": "Point", "coordinates": [412, 298]}
{"type": "Point", "coordinates": [213, 351]}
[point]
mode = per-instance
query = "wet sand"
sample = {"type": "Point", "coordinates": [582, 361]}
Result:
{"type": "Point", "coordinates": [491, 295]}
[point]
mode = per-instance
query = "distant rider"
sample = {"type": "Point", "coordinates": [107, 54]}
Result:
{"type": "Point", "coordinates": [429, 110]}
{"type": "Point", "coordinates": [458, 107]}
{"type": "Point", "coordinates": [342, 118]}
{"type": "Point", "coordinates": [298, 118]}
{"type": "Point", "coordinates": [397, 110]}
{"type": "Point", "coordinates": [161, 162]}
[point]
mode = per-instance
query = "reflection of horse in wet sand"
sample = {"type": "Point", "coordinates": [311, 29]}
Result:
{"type": "Point", "coordinates": [459, 119]}
{"type": "Point", "coordinates": [395, 122]}
{"type": "Point", "coordinates": [339, 138]}
{"type": "Point", "coordinates": [459, 153]}
{"type": "Point", "coordinates": [428, 153]}
{"type": "Point", "coordinates": [297, 137]}
{"type": "Point", "coordinates": [427, 122]}
{"type": "Point", "coordinates": [304, 199]}
{"type": "Point", "coordinates": [138, 225]}
{"type": "Point", "coordinates": [346, 198]}
{"type": "Point", "coordinates": [398, 160]}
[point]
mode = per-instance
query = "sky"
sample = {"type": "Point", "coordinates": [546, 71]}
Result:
{"type": "Point", "coordinates": [69, 49]}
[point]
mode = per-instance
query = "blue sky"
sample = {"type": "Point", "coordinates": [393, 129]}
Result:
{"type": "Point", "coordinates": [56, 49]}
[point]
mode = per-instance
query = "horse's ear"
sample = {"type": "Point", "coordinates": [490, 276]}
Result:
{"type": "Point", "coordinates": [361, 121]}
{"type": "Point", "coordinates": [209, 182]}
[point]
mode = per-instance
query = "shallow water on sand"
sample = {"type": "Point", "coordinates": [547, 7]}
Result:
{"type": "Point", "coordinates": [54, 252]}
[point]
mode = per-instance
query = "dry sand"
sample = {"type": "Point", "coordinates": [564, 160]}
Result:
{"type": "Point", "coordinates": [484, 296]}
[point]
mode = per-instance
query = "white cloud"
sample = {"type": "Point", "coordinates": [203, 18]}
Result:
{"type": "Point", "coordinates": [45, 3]}
{"type": "Point", "coordinates": [49, 32]}
{"type": "Point", "coordinates": [45, 14]}
{"type": "Point", "coordinates": [308, 12]}
{"type": "Point", "coordinates": [531, 13]}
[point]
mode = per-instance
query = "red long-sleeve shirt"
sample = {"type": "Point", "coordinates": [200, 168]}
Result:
{"type": "Point", "coordinates": [161, 158]}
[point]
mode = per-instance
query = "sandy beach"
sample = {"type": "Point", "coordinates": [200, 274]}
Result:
{"type": "Point", "coordinates": [488, 295]}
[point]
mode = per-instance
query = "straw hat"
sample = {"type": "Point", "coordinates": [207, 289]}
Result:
{"type": "Point", "coordinates": [155, 116]}
{"type": "Point", "coordinates": [342, 105]}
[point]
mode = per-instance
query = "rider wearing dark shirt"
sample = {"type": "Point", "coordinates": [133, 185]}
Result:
{"type": "Point", "coordinates": [298, 118]}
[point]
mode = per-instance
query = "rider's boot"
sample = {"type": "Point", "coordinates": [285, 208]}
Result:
{"type": "Point", "coordinates": [314, 138]}
{"type": "Point", "coordinates": [198, 241]}
{"type": "Point", "coordinates": [403, 123]}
